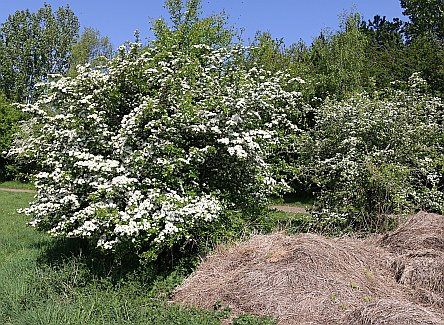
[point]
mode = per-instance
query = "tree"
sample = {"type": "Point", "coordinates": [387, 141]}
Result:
{"type": "Point", "coordinates": [164, 147]}
{"type": "Point", "coordinates": [339, 59]}
{"type": "Point", "coordinates": [426, 18]}
{"type": "Point", "coordinates": [189, 28]}
{"type": "Point", "coordinates": [32, 47]}
{"type": "Point", "coordinates": [9, 124]}
{"type": "Point", "coordinates": [376, 154]}
{"type": "Point", "coordinates": [387, 55]}
{"type": "Point", "coordinates": [427, 56]}
{"type": "Point", "coordinates": [425, 36]}
{"type": "Point", "coordinates": [268, 52]}
{"type": "Point", "coordinates": [91, 49]}
{"type": "Point", "coordinates": [157, 150]}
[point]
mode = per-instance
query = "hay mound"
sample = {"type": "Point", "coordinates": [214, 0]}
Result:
{"type": "Point", "coordinates": [421, 231]}
{"type": "Point", "coordinates": [419, 245]}
{"type": "Point", "coordinates": [296, 279]}
{"type": "Point", "coordinates": [389, 312]}
{"type": "Point", "coordinates": [309, 279]}
{"type": "Point", "coordinates": [421, 270]}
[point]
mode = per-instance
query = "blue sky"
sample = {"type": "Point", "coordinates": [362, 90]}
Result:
{"type": "Point", "coordinates": [288, 19]}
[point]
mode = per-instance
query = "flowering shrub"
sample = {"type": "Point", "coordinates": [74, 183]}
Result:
{"type": "Point", "coordinates": [372, 156]}
{"type": "Point", "coordinates": [155, 148]}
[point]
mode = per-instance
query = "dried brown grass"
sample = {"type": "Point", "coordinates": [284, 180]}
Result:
{"type": "Point", "coordinates": [392, 312]}
{"type": "Point", "coordinates": [420, 231]}
{"type": "Point", "coordinates": [309, 279]}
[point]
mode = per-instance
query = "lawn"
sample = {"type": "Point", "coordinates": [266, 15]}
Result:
{"type": "Point", "coordinates": [17, 185]}
{"type": "Point", "coordinates": [48, 281]}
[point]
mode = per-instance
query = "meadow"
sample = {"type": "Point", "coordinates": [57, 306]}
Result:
{"type": "Point", "coordinates": [50, 281]}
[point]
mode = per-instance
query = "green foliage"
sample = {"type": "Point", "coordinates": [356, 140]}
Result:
{"type": "Point", "coordinates": [393, 53]}
{"type": "Point", "coordinates": [189, 28]}
{"type": "Point", "coordinates": [32, 47]}
{"type": "Point", "coordinates": [387, 56]}
{"type": "Point", "coordinates": [426, 18]}
{"type": "Point", "coordinates": [92, 49]}
{"type": "Point", "coordinates": [425, 37]}
{"type": "Point", "coordinates": [160, 150]}
{"type": "Point", "coordinates": [371, 156]}
{"type": "Point", "coordinates": [10, 117]}
{"type": "Point", "coordinates": [427, 57]}
{"type": "Point", "coordinates": [268, 52]}
{"type": "Point", "coordinates": [339, 59]}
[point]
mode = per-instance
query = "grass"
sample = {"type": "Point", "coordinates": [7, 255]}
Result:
{"type": "Point", "coordinates": [290, 223]}
{"type": "Point", "coordinates": [17, 185]}
{"type": "Point", "coordinates": [293, 199]}
{"type": "Point", "coordinates": [48, 281]}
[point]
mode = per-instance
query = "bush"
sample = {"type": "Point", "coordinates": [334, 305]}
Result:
{"type": "Point", "coordinates": [373, 156]}
{"type": "Point", "coordinates": [9, 123]}
{"type": "Point", "coordinates": [157, 149]}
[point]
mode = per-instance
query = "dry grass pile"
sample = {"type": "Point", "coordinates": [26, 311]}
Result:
{"type": "Point", "coordinates": [419, 262]}
{"type": "Point", "coordinates": [392, 312]}
{"type": "Point", "coordinates": [308, 279]}
{"type": "Point", "coordinates": [420, 231]}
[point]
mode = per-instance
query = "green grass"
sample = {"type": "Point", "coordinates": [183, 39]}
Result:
{"type": "Point", "coordinates": [48, 281]}
{"type": "Point", "coordinates": [294, 200]}
{"type": "Point", "coordinates": [17, 185]}
{"type": "Point", "coordinates": [290, 223]}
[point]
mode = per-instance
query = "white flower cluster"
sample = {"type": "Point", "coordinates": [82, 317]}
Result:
{"type": "Point", "coordinates": [142, 152]}
{"type": "Point", "coordinates": [377, 155]}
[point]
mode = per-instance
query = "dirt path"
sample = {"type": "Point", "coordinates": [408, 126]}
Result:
{"type": "Point", "coordinates": [285, 208]}
{"type": "Point", "coordinates": [289, 208]}
{"type": "Point", "coordinates": [16, 190]}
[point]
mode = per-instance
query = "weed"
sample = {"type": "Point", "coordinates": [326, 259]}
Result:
{"type": "Point", "coordinates": [353, 285]}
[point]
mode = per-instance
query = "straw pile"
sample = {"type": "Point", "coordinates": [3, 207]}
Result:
{"type": "Point", "coordinates": [419, 246]}
{"type": "Point", "coordinates": [393, 312]}
{"type": "Point", "coordinates": [309, 279]}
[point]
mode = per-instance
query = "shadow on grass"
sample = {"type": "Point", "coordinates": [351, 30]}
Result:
{"type": "Point", "coordinates": [294, 199]}
{"type": "Point", "coordinates": [75, 257]}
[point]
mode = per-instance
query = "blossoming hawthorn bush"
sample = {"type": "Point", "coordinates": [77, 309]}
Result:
{"type": "Point", "coordinates": [154, 149]}
{"type": "Point", "coordinates": [371, 156]}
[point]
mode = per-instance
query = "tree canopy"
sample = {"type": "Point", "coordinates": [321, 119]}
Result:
{"type": "Point", "coordinates": [32, 47]}
{"type": "Point", "coordinates": [426, 18]}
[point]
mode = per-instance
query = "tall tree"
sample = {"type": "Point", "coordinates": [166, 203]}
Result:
{"type": "Point", "coordinates": [9, 124]}
{"type": "Point", "coordinates": [338, 59]}
{"type": "Point", "coordinates": [34, 46]}
{"type": "Point", "coordinates": [426, 18]}
{"type": "Point", "coordinates": [91, 48]}
{"type": "Point", "coordinates": [190, 28]}
{"type": "Point", "coordinates": [387, 54]}
{"type": "Point", "coordinates": [425, 32]}
{"type": "Point", "coordinates": [268, 52]}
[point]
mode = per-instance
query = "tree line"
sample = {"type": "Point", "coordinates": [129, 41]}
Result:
{"type": "Point", "coordinates": [362, 55]}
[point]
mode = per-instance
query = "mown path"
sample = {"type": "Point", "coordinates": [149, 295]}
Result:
{"type": "Point", "coordinates": [289, 208]}
{"type": "Point", "coordinates": [285, 208]}
{"type": "Point", "coordinates": [16, 190]}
